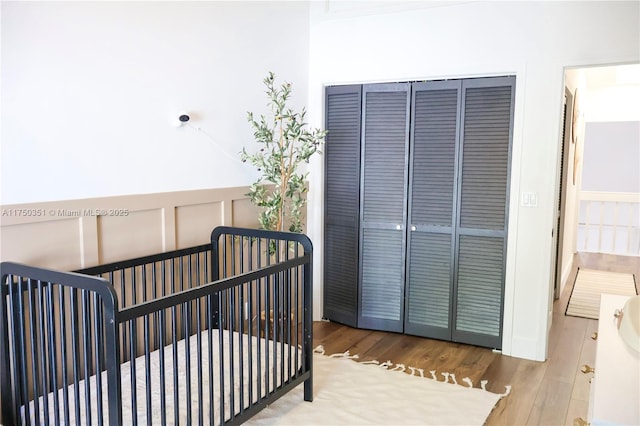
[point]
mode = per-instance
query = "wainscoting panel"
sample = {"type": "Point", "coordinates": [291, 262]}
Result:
{"type": "Point", "coordinates": [77, 234]}
{"type": "Point", "coordinates": [133, 235]}
{"type": "Point", "coordinates": [194, 223]}
{"type": "Point", "coordinates": [244, 213]}
{"type": "Point", "coordinates": [54, 243]}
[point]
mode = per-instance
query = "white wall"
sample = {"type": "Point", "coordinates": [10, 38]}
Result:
{"type": "Point", "coordinates": [533, 41]}
{"type": "Point", "coordinates": [611, 157]}
{"type": "Point", "coordinates": [612, 93]}
{"type": "Point", "coordinates": [89, 90]}
{"type": "Point", "coordinates": [575, 80]}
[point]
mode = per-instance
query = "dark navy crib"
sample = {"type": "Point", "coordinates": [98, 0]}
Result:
{"type": "Point", "coordinates": [204, 335]}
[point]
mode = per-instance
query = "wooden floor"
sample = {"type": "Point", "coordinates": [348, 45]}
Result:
{"type": "Point", "coordinates": [554, 392]}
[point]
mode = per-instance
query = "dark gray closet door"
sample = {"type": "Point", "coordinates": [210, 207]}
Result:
{"type": "Point", "coordinates": [483, 210]}
{"type": "Point", "coordinates": [383, 208]}
{"type": "Point", "coordinates": [432, 208]}
{"type": "Point", "coordinates": [342, 203]}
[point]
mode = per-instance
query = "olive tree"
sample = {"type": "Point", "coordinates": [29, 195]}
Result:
{"type": "Point", "coordinates": [285, 143]}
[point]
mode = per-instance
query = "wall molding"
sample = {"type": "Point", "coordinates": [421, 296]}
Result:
{"type": "Point", "coordinates": [75, 234]}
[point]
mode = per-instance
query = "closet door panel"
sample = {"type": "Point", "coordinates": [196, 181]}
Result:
{"type": "Point", "coordinates": [435, 110]}
{"type": "Point", "coordinates": [428, 305]}
{"type": "Point", "coordinates": [479, 290]}
{"type": "Point", "coordinates": [381, 265]}
{"type": "Point", "coordinates": [433, 161]}
{"type": "Point", "coordinates": [342, 203]}
{"type": "Point", "coordinates": [487, 127]}
{"type": "Point", "coordinates": [385, 153]}
{"type": "Point", "coordinates": [484, 194]}
{"type": "Point", "coordinates": [383, 207]}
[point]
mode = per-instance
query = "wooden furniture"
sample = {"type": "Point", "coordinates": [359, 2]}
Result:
{"type": "Point", "coordinates": [615, 389]}
{"type": "Point", "coordinates": [158, 339]}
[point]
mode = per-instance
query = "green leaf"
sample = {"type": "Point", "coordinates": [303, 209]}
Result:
{"type": "Point", "coordinates": [284, 142]}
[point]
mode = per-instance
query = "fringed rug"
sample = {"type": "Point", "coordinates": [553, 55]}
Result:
{"type": "Point", "coordinates": [347, 392]}
{"type": "Point", "coordinates": [590, 284]}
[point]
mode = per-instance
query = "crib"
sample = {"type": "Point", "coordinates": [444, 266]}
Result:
{"type": "Point", "coordinates": [209, 334]}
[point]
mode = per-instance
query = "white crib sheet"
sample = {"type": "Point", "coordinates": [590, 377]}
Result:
{"type": "Point", "coordinates": [285, 355]}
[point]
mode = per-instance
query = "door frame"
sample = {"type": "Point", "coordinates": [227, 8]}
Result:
{"type": "Point", "coordinates": [565, 148]}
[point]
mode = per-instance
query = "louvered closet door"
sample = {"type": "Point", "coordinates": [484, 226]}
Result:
{"type": "Point", "coordinates": [342, 203]}
{"type": "Point", "coordinates": [432, 205]}
{"type": "Point", "coordinates": [383, 206]}
{"type": "Point", "coordinates": [483, 210]}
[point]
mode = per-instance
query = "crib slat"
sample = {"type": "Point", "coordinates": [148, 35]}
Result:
{"type": "Point", "coordinates": [7, 410]}
{"type": "Point", "coordinates": [287, 312]}
{"type": "Point", "coordinates": [267, 334]}
{"type": "Point", "coordinates": [186, 313]}
{"type": "Point", "coordinates": [34, 350]}
{"type": "Point", "coordinates": [132, 369]}
{"type": "Point", "coordinates": [41, 332]}
{"type": "Point", "coordinates": [76, 351]}
{"type": "Point", "coordinates": [230, 324]}
{"type": "Point", "coordinates": [236, 251]}
{"type": "Point", "coordinates": [99, 358]}
{"type": "Point", "coordinates": [250, 288]}
{"type": "Point", "coordinates": [222, 390]}
{"type": "Point", "coordinates": [297, 309]}
{"type": "Point", "coordinates": [198, 328]}
{"type": "Point", "coordinates": [123, 294]}
{"type": "Point", "coordinates": [210, 360]}
{"type": "Point", "coordinates": [50, 310]}
{"type": "Point", "coordinates": [174, 326]}
{"type": "Point", "coordinates": [161, 344]}
{"type": "Point", "coordinates": [199, 362]}
{"type": "Point", "coordinates": [87, 356]}
{"type": "Point", "coordinates": [147, 349]}
{"type": "Point", "coordinates": [163, 382]}
{"type": "Point", "coordinates": [21, 380]}
{"type": "Point", "coordinates": [260, 305]}
{"type": "Point", "coordinates": [63, 355]}
{"type": "Point", "coordinates": [278, 325]}
{"type": "Point", "coordinates": [240, 319]}
{"type": "Point", "coordinates": [307, 342]}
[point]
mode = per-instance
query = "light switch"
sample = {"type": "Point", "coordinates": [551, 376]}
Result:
{"type": "Point", "coordinates": [529, 199]}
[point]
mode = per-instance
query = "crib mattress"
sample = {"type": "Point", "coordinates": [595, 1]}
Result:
{"type": "Point", "coordinates": [246, 378]}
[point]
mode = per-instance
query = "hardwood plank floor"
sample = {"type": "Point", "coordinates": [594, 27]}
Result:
{"type": "Point", "coordinates": [554, 392]}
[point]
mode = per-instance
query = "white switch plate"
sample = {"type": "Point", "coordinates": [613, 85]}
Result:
{"type": "Point", "coordinates": [529, 199]}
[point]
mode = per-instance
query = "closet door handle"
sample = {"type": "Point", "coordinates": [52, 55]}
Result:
{"type": "Point", "coordinates": [399, 227]}
{"type": "Point", "coordinates": [413, 227]}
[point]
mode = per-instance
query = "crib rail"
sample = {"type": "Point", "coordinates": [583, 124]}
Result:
{"type": "Point", "coordinates": [56, 329]}
{"type": "Point", "coordinates": [272, 301]}
{"type": "Point", "coordinates": [146, 278]}
{"type": "Point", "coordinates": [245, 370]}
{"type": "Point", "coordinates": [229, 322]}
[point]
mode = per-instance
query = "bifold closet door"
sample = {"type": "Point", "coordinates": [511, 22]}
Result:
{"type": "Point", "coordinates": [385, 150]}
{"type": "Point", "coordinates": [484, 163]}
{"type": "Point", "coordinates": [416, 207]}
{"type": "Point", "coordinates": [432, 208]}
{"type": "Point", "coordinates": [342, 203]}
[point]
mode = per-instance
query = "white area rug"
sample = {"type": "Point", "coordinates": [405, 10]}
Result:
{"type": "Point", "coordinates": [347, 392]}
{"type": "Point", "coordinates": [590, 284]}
